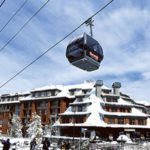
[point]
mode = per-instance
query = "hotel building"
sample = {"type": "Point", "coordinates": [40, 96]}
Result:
{"type": "Point", "coordinates": [71, 108]}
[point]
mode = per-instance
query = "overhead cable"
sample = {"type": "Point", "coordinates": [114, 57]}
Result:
{"type": "Point", "coordinates": [32, 62]}
{"type": "Point", "coordinates": [2, 48]}
{"type": "Point", "coordinates": [2, 3]}
{"type": "Point", "coordinates": [17, 11]}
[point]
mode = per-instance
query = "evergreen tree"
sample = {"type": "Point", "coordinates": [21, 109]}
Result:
{"type": "Point", "coordinates": [35, 130]}
{"type": "Point", "coordinates": [16, 127]}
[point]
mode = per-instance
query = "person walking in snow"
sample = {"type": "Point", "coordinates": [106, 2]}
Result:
{"type": "Point", "coordinates": [33, 144]}
{"type": "Point", "coordinates": [46, 144]}
{"type": "Point", "coordinates": [6, 144]}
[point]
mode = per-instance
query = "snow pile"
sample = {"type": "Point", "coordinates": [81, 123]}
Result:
{"type": "Point", "coordinates": [114, 142]}
{"type": "Point", "coordinates": [124, 138]}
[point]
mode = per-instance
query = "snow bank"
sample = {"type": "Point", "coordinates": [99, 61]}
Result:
{"type": "Point", "coordinates": [124, 138]}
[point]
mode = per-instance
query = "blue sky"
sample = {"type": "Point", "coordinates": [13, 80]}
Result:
{"type": "Point", "coordinates": [122, 29]}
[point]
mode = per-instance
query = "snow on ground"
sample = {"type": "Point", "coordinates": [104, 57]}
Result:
{"type": "Point", "coordinates": [18, 143]}
{"type": "Point", "coordinates": [23, 144]}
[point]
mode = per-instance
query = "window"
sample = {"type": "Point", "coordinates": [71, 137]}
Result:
{"type": "Point", "coordinates": [111, 121]}
{"type": "Point", "coordinates": [114, 109]}
{"type": "Point", "coordinates": [36, 94]}
{"type": "Point", "coordinates": [80, 99]}
{"type": "Point", "coordinates": [73, 109]}
{"type": "Point", "coordinates": [132, 121]}
{"type": "Point", "coordinates": [48, 93]}
{"type": "Point", "coordinates": [45, 94]}
{"type": "Point", "coordinates": [52, 93]}
{"type": "Point", "coordinates": [65, 120]}
{"type": "Point", "coordinates": [141, 122]}
{"type": "Point", "coordinates": [106, 91]}
{"type": "Point", "coordinates": [79, 120]}
{"type": "Point", "coordinates": [120, 121]}
{"type": "Point", "coordinates": [54, 103]}
{"type": "Point", "coordinates": [84, 91]}
{"type": "Point", "coordinates": [108, 99]}
{"type": "Point", "coordinates": [72, 92]}
{"type": "Point", "coordinates": [122, 110]}
{"type": "Point", "coordinates": [39, 94]}
{"type": "Point", "coordinates": [33, 94]}
{"type": "Point", "coordinates": [111, 99]}
{"type": "Point", "coordinates": [107, 109]}
{"type": "Point", "coordinates": [81, 108]}
{"type": "Point", "coordinates": [128, 110]}
{"type": "Point", "coordinates": [27, 105]}
{"type": "Point", "coordinates": [54, 111]}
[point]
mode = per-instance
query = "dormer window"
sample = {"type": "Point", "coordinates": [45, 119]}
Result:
{"type": "Point", "coordinates": [81, 108]}
{"type": "Point", "coordinates": [80, 99]}
{"type": "Point", "coordinates": [74, 91]}
{"type": "Point", "coordinates": [111, 99]}
{"type": "Point", "coordinates": [86, 91]}
{"type": "Point", "coordinates": [73, 108]}
{"type": "Point", "coordinates": [52, 93]}
{"type": "Point", "coordinates": [106, 91]}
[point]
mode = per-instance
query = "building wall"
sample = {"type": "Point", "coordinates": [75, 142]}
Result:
{"type": "Point", "coordinates": [26, 108]}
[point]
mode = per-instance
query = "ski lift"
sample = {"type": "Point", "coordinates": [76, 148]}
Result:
{"type": "Point", "coordinates": [84, 51]}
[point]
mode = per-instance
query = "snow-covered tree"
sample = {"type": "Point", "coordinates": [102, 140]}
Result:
{"type": "Point", "coordinates": [35, 129]}
{"type": "Point", "coordinates": [15, 126]}
{"type": "Point", "coordinates": [46, 131]}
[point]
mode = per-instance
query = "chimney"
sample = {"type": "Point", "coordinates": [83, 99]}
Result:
{"type": "Point", "coordinates": [98, 89]}
{"type": "Point", "coordinates": [116, 88]}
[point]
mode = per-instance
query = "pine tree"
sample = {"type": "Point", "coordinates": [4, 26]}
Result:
{"type": "Point", "coordinates": [35, 129]}
{"type": "Point", "coordinates": [16, 127]}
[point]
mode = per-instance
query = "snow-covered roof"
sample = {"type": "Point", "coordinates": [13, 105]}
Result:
{"type": "Point", "coordinates": [9, 102]}
{"type": "Point", "coordinates": [96, 111]}
{"type": "Point", "coordinates": [106, 88]}
{"type": "Point", "coordinates": [146, 103]}
{"type": "Point", "coordinates": [48, 87]}
{"type": "Point", "coordinates": [123, 102]}
{"type": "Point", "coordinates": [15, 94]}
{"type": "Point", "coordinates": [29, 98]}
{"type": "Point", "coordinates": [75, 113]}
{"type": "Point", "coordinates": [80, 103]}
{"type": "Point", "coordinates": [110, 95]}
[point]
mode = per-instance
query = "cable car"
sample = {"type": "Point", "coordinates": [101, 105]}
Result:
{"type": "Point", "coordinates": [85, 53]}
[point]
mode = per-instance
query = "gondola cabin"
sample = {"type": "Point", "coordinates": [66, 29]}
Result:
{"type": "Point", "coordinates": [85, 53]}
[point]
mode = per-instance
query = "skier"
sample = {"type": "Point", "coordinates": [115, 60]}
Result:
{"type": "Point", "coordinates": [6, 144]}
